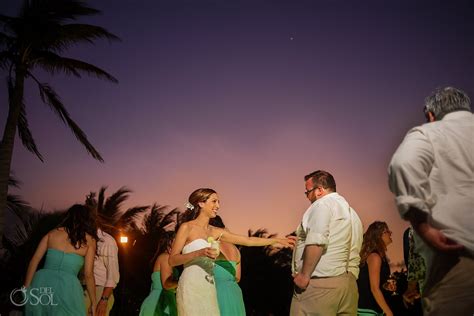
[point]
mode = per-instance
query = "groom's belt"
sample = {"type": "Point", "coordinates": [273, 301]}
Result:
{"type": "Point", "coordinates": [326, 277]}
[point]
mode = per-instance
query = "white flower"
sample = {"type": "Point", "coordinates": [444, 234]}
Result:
{"type": "Point", "coordinates": [189, 206]}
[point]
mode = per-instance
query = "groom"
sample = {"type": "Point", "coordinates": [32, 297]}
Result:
{"type": "Point", "coordinates": [327, 252]}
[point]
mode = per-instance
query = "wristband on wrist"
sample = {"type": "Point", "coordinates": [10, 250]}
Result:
{"type": "Point", "coordinates": [104, 298]}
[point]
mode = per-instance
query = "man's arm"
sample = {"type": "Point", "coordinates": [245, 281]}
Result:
{"type": "Point", "coordinates": [317, 237]}
{"type": "Point", "coordinates": [103, 302]}
{"type": "Point", "coordinates": [409, 172]}
{"type": "Point", "coordinates": [430, 235]}
{"type": "Point", "coordinates": [110, 259]}
{"type": "Point", "coordinates": [311, 256]}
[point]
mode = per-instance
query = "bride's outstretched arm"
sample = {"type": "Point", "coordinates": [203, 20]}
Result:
{"type": "Point", "coordinates": [177, 258]}
{"type": "Point", "coordinates": [254, 241]}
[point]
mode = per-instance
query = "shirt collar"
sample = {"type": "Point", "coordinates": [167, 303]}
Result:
{"type": "Point", "coordinates": [322, 198]}
{"type": "Point", "coordinates": [456, 115]}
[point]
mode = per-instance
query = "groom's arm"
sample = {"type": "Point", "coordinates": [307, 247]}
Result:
{"type": "Point", "coordinates": [311, 256]}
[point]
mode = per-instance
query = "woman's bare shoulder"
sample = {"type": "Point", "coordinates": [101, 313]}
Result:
{"type": "Point", "coordinates": [58, 232]}
{"type": "Point", "coordinates": [374, 258]}
{"type": "Point", "coordinates": [185, 226]}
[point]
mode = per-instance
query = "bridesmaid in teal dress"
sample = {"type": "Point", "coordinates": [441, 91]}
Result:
{"type": "Point", "coordinates": [162, 298]}
{"type": "Point", "coordinates": [227, 274]}
{"type": "Point", "coordinates": [55, 289]}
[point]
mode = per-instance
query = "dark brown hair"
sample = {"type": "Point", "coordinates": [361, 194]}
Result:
{"type": "Point", "coordinates": [79, 221]}
{"type": "Point", "coordinates": [164, 243]}
{"type": "Point", "coordinates": [322, 178]}
{"type": "Point", "coordinates": [373, 241]}
{"type": "Point", "coordinates": [217, 222]}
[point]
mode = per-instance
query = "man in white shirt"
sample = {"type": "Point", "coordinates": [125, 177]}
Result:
{"type": "Point", "coordinates": [432, 177]}
{"type": "Point", "coordinates": [106, 273]}
{"type": "Point", "coordinates": [326, 257]}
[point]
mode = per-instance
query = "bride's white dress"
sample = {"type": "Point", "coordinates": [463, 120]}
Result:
{"type": "Point", "coordinates": [196, 293]}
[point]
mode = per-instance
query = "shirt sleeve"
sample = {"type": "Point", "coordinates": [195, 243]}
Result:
{"type": "Point", "coordinates": [409, 172]}
{"type": "Point", "coordinates": [317, 232]}
{"type": "Point", "coordinates": [356, 244]}
{"type": "Point", "coordinates": [110, 258]}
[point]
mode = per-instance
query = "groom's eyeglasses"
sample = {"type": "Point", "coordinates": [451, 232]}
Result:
{"type": "Point", "coordinates": [309, 191]}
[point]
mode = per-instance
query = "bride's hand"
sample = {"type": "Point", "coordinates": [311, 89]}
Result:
{"type": "Point", "coordinates": [208, 252]}
{"type": "Point", "coordinates": [288, 242]}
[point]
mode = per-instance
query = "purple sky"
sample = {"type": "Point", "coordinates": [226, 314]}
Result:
{"type": "Point", "coordinates": [247, 97]}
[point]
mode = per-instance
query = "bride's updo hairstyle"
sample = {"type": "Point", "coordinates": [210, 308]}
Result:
{"type": "Point", "coordinates": [199, 195]}
{"type": "Point", "coordinates": [192, 207]}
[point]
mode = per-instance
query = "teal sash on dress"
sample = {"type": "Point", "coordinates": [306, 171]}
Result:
{"type": "Point", "coordinates": [367, 312]}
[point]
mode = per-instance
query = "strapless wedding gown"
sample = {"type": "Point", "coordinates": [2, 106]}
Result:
{"type": "Point", "coordinates": [196, 293]}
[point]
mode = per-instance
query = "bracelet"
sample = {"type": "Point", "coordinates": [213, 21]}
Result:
{"type": "Point", "coordinates": [104, 298]}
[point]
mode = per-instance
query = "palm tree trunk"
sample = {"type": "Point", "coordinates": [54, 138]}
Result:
{"type": "Point", "coordinates": [8, 141]}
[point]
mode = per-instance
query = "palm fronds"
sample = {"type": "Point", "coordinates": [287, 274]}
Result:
{"type": "Point", "coordinates": [24, 132]}
{"type": "Point", "coordinates": [112, 205]}
{"type": "Point", "coordinates": [129, 217]}
{"type": "Point", "coordinates": [157, 220]}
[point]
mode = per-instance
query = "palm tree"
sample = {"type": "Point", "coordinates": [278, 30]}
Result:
{"type": "Point", "coordinates": [158, 220]}
{"type": "Point", "coordinates": [35, 39]}
{"type": "Point", "coordinates": [22, 211]}
{"type": "Point", "coordinates": [155, 224]}
{"type": "Point", "coordinates": [113, 219]}
{"type": "Point", "coordinates": [266, 278]}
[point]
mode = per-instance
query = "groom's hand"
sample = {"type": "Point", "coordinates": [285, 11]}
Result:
{"type": "Point", "coordinates": [301, 281]}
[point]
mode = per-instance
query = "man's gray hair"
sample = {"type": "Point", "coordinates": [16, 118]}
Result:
{"type": "Point", "coordinates": [447, 100]}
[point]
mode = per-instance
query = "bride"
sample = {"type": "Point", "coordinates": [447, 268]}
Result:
{"type": "Point", "coordinates": [196, 293]}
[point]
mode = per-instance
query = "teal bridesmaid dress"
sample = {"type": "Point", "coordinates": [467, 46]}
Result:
{"type": "Point", "coordinates": [229, 294]}
{"type": "Point", "coordinates": [55, 289]}
{"type": "Point", "coordinates": [159, 302]}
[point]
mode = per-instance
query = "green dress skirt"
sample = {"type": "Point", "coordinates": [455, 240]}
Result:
{"type": "Point", "coordinates": [229, 294]}
{"type": "Point", "coordinates": [55, 289]}
{"type": "Point", "coordinates": [159, 302]}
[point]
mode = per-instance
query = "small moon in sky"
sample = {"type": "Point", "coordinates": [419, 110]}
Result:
{"type": "Point", "coordinates": [291, 38]}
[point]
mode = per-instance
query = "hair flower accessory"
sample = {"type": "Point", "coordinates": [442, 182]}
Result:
{"type": "Point", "coordinates": [189, 206]}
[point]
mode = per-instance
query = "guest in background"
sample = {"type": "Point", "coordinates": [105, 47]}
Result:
{"type": "Point", "coordinates": [162, 298]}
{"type": "Point", "coordinates": [375, 270]}
{"type": "Point", "coordinates": [416, 272]}
{"type": "Point", "coordinates": [106, 270]}
{"type": "Point", "coordinates": [431, 176]}
{"type": "Point", "coordinates": [68, 248]}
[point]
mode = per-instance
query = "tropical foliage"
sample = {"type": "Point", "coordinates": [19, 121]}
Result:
{"type": "Point", "coordinates": [20, 243]}
{"type": "Point", "coordinates": [34, 40]}
{"type": "Point", "coordinates": [266, 278]}
{"type": "Point", "coordinates": [112, 218]}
